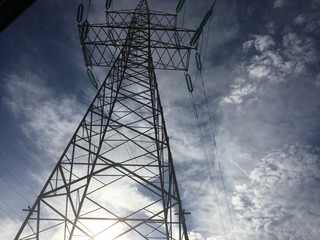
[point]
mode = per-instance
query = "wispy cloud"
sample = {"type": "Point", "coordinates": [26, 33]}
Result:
{"type": "Point", "coordinates": [8, 228]}
{"type": "Point", "coordinates": [240, 91]}
{"type": "Point", "coordinates": [44, 117]}
{"type": "Point", "coordinates": [275, 62]}
{"type": "Point", "coordinates": [263, 87]}
{"type": "Point", "coordinates": [279, 3]}
{"type": "Point", "coordinates": [278, 203]}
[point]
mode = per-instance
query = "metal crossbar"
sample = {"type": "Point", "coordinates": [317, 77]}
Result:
{"type": "Point", "coordinates": [121, 144]}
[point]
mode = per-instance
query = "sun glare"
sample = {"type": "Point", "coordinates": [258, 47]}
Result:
{"type": "Point", "coordinates": [101, 231]}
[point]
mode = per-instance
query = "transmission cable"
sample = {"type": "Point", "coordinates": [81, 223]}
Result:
{"type": "Point", "coordinates": [14, 189]}
{"type": "Point", "coordinates": [216, 153]}
{"type": "Point", "coordinates": [210, 120]}
{"type": "Point", "coordinates": [211, 127]}
{"type": "Point", "coordinates": [3, 210]}
{"type": "Point", "coordinates": [184, 13]}
{"type": "Point", "coordinates": [17, 180]}
{"type": "Point", "coordinates": [5, 230]}
{"type": "Point", "coordinates": [11, 210]}
{"type": "Point", "coordinates": [209, 168]}
{"type": "Point", "coordinates": [88, 8]}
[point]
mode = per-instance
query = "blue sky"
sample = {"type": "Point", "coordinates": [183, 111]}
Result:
{"type": "Point", "coordinates": [262, 81]}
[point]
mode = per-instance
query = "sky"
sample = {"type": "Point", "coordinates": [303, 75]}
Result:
{"type": "Point", "coordinates": [258, 95]}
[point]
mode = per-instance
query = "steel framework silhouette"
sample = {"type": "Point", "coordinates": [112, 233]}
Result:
{"type": "Point", "coordinates": [116, 179]}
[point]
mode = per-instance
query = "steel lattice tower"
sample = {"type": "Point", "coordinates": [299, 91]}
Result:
{"type": "Point", "coordinates": [119, 156]}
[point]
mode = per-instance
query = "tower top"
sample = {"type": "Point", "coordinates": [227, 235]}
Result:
{"type": "Point", "coordinates": [170, 45]}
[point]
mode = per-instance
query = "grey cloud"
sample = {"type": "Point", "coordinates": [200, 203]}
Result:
{"type": "Point", "coordinates": [291, 57]}
{"type": "Point", "coordinates": [279, 3]}
{"type": "Point", "coordinates": [301, 51]}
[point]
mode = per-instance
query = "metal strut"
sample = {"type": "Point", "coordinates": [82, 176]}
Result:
{"type": "Point", "coordinates": [116, 179]}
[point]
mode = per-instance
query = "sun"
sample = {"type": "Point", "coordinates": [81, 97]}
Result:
{"type": "Point", "coordinates": [102, 230]}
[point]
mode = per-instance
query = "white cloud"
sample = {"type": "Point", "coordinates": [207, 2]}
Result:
{"type": "Point", "coordinates": [260, 42]}
{"type": "Point", "coordinates": [45, 118]}
{"type": "Point", "coordinates": [275, 62]}
{"type": "Point", "coordinates": [263, 43]}
{"type": "Point", "coordinates": [8, 228]}
{"type": "Point", "coordinates": [239, 93]}
{"type": "Point", "coordinates": [237, 203]}
{"type": "Point", "coordinates": [195, 236]}
{"type": "Point", "coordinates": [247, 45]}
{"type": "Point", "coordinates": [282, 195]}
{"type": "Point", "coordinates": [258, 71]}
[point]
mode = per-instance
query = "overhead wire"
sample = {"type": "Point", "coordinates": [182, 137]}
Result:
{"type": "Point", "coordinates": [88, 8]}
{"type": "Point", "coordinates": [11, 211]}
{"type": "Point", "coordinates": [197, 121]}
{"type": "Point", "coordinates": [10, 208]}
{"type": "Point", "coordinates": [212, 132]}
{"type": "Point", "coordinates": [16, 179]}
{"type": "Point", "coordinates": [217, 154]}
{"type": "Point", "coordinates": [206, 158]}
{"type": "Point", "coordinates": [184, 13]}
{"type": "Point", "coordinates": [14, 189]}
{"type": "Point", "coordinates": [199, 126]}
{"type": "Point", "coordinates": [211, 122]}
{"type": "Point", "coordinates": [4, 229]}
{"type": "Point", "coordinates": [7, 205]}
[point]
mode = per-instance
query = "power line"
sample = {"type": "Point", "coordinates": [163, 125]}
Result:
{"type": "Point", "coordinates": [3, 210]}
{"type": "Point", "coordinates": [217, 154]}
{"type": "Point", "coordinates": [14, 189]}
{"type": "Point", "coordinates": [210, 120]}
{"type": "Point", "coordinates": [207, 160]}
{"type": "Point", "coordinates": [17, 180]}
{"type": "Point", "coordinates": [11, 209]}
{"type": "Point", "coordinates": [211, 128]}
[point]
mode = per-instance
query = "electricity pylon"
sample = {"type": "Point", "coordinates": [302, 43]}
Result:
{"type": "Point", "coordinates": [116, 179]}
